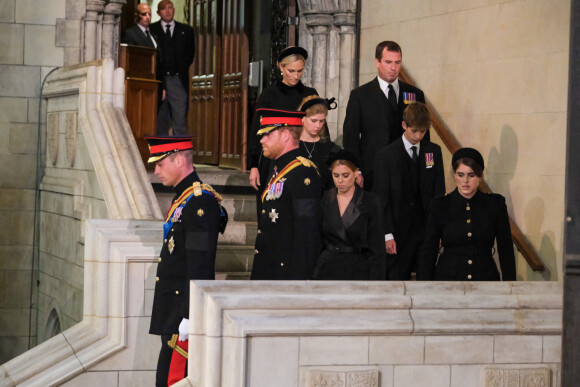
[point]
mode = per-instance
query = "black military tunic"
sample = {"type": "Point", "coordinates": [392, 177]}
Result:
{"type": "Point", "coordinates": [467, 229]}
{"type": "Point", "coordinates": [188, 252]}
{"type": "Point", "coordinates": [288, 240]}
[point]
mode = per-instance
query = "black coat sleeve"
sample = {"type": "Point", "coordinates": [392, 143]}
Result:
{"type": "Point", "coordinates": [429, 251]}
{"type": "Point", "coordinates": [351, 128]}
{"type": "Point", "coordinates": [201, 224]}
{"type": "Point", "coordinates": [376, 239]}
{"type": "Point", "coordinates": [507, 260]}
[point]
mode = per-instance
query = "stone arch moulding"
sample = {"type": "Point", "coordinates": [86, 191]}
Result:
{"type": "Point", "coordinates": [111, 245]}
{"type": "Point", "coordinates": [328, 32]}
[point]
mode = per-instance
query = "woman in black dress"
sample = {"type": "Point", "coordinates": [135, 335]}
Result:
{"type": "Point", "coordinates": [286, 94]}
{"type": "Point", "coordinates": [467, 222]}
{"type": "Point", "coordinates": [314, 141]}
{"type": "Point", "coordinates": [353, 241]}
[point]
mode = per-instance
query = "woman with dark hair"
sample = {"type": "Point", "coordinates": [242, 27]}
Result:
{"type": "Point", "coordinates": [467, 222]}
{"type": "Point", "coordinates": [352, 230]}
{"type": "Point", "coordinates": [315, 143]}
{"type": "Point", "coordinates": [286, 94]}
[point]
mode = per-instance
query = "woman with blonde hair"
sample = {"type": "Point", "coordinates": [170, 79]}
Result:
{"type": "Point", "coordinates": [285, 94]}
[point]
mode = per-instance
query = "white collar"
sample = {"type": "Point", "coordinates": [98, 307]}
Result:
{"type": "Point", "coordinates": [408, 145]}
{"type": "Point", "coordinates": [384, 85]}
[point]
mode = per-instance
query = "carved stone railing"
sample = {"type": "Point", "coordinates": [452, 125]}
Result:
{"type": "Point", "coordinates": [519, 239]}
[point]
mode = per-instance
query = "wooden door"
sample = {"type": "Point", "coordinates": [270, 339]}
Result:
{"type": "Point", "coordinates": [218, 94]}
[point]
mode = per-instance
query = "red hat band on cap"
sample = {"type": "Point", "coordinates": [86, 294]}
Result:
{"type": "Point", "coordinates": [289, 121]}
{"type": "Point", "coordinates": [161, 148]}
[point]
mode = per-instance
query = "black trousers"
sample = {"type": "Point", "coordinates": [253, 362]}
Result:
{"type": "Point", "coordinates": [163, 362]}
{"type": "Point", "coordinates": [405, 261]}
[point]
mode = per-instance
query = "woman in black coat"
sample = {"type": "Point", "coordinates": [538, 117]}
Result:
{"type": "Point", "coordinates": [467, 222]}
{"type": "Point", "coordinates": [315, 143]}
{"type": "Point", "coordinates": [286, 94]}
{"type": "Point", "coordinates": [353, 242]}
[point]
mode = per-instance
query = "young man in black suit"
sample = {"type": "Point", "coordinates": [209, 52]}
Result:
{"type": "Point", "coordinates": [408, 174]}
{"type": "Point", "coordinates": [375, 109]}
{"type": "Point", "coordinates": [177, 46]}
{"type": "Point", "coordinates": [139, 34]}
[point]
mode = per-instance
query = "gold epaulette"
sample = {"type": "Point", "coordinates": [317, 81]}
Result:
{"type": "Point", "coordinates": [308, 163]}
{"type": "Point", "coordinates": [198, 189]}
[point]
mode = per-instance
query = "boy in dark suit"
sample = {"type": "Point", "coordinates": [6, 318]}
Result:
{"type": "Point", "coordinates": [408, 174]}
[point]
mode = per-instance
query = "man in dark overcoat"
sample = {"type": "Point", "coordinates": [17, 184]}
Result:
{"type": "Point", "coordinates": [190, 237]}
{"type": "Point", "coordinates": [288, 240]}
{"type": "Point", "coordinates": [177, 47]}
{"type": "Point", "coordinates": [375, 110]}
{"type": "Point", "coordinates": [408, 174]}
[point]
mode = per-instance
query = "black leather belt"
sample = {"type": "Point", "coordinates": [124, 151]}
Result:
{"type": "Point", "coordinates": [342, 249]}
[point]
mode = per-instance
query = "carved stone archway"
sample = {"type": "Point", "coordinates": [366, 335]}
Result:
{"type": "Point", "coordinates": [328, 31]}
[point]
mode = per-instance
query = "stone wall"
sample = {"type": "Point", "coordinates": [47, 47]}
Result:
{"type": "Point", "coordinates": [496, 72]}
{"type": "Point", "coordinates": [27, 54]}
{"type": "Point", "coordinates": [298, 333]}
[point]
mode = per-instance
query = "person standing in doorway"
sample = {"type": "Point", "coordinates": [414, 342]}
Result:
{"type": "Point", "coordinates": [177, 47]}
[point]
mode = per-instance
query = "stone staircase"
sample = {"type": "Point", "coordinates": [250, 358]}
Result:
{"type": "Point", "coordinates": [236, 247]}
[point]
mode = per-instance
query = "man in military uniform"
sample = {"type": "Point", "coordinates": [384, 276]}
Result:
{"type": "Point", "coordinates": [190, 237]}
{"type": "Point", "coordinates": [288, 240]}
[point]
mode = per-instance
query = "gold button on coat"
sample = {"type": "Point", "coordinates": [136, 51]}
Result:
{"type": "Point", "coordinates": [470, 262]}
{"type": "Point", "coordinates": [159, 259]}
{"type": "Point", "coordinates": [282, 264]}
{"type": "Point", "coordinates": [469, 234]}
{"type": "Point", "coordinates": [468, 220]}
{"type": "Point", "coordinates": [469, 276]}
{"type": "Point", "coordinates": [177, 292]}
{"type": "Point", "coordinates": [156, 279]}
{"type": "Point", "coordinates": [256, 251]}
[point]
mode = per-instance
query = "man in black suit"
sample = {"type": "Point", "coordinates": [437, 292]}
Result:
{"type": "Point", "coordinates": [177, 45]}
{"type": "Point", "coordinates": [189, 243]}
{"type": "Point", "coordinates": [139, 34]}
{"type": "Point", "coordinates": [375, 110]}
{"type": "Point", "coordinates": [408, 174]}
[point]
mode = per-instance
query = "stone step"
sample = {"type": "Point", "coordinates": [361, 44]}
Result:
{"type": "Point", "coordinates": [233, 276]}
{"type": "Point", "coordinates": [225, 181]}
{"type": "Point", "coordinates": [234, 259]}
{"type": "Point", "coordinates": [240, 208]}
{"type": "Point", "coordinates": [239, 233]}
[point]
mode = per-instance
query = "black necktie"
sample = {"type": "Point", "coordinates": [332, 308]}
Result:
{"type": "Point", "coordinates": [168, 31]}
{"type": "Point", "coordinates": [392, 96]}
{"type": "Point", "coordinates": [414, 156]}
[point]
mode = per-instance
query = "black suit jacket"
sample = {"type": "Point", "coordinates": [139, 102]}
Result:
{"type": "Point", "coordinates": [393, 184]}
{"type": "Point", "coordinates": [184, 41]}
{"type": "Point", "coordinates": [371, 122]}
{"type": "Point", "coordinates": [359, 229]}
{"type": "Point", "coordinates": [135, 36]}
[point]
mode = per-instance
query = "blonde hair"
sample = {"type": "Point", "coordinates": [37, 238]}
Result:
{"type": "Point", "coordinates": [291, 59]}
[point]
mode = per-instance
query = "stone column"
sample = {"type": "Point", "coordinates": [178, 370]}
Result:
{"type": "Point", "coordinates": [318, 24]}
{"type": "Point", "coordinates": [110, 37]}
{"type": "Point", "coordinates": [346, 22]}
{"type": "Point", "coordinates": [93, 16]}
